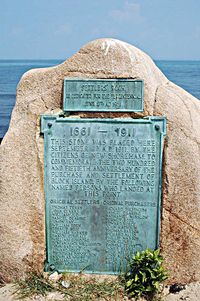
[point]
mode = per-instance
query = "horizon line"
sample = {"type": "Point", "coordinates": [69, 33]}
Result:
{"type": "Point", "coordinates": [62, 59]}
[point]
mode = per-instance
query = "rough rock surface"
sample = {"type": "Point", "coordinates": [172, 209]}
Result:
{"type": "Point", "coordinates": [22, 239]}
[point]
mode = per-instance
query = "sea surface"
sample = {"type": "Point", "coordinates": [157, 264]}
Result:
{"type": "Point", "coordinates": [184, 73]}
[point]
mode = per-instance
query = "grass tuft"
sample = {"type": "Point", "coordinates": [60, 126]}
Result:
{"type": "Point", "coordinates": [32, 285]}
{"type": "Point", "coordinates": [82, 288]}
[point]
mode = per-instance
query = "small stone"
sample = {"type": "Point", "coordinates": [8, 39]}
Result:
{"type": "Point", "coordinates": [55, 277]}
{"type": "Point", "coordinates": [176, 288]}
{"type": "Point", "coordinates": [66, 284]}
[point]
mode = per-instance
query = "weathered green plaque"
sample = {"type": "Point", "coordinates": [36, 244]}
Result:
{"type": "Point", "coordinates": [103, 188]}
{"type": "Point", "coordinates": [113, 95]}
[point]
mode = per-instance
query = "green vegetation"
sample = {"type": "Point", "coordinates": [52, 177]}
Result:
{"type": "Point", "coordinates": [82, 288]}
{"type": "Point", "coordinates": [143, 279]}
{"type": "Point", "coordinates": [32, 285]}
{"type": "Point", "coordinates": [145, 275]}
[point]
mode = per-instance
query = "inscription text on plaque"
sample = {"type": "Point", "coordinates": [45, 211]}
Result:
{"type": "Point", "coordinates": [102, 189]}
{"type": "Point", "coordinates": [111, 95]}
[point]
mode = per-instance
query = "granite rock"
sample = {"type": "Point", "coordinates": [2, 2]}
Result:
{"type": "Point", "coordinates": [22, 232]}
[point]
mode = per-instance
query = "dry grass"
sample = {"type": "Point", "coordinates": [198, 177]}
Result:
{"type": "Point", "coordinates": [82, 288]}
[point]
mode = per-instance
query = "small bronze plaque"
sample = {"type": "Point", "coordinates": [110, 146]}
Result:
{"type": "Point", "coordinates": [104, 95]}
{"type": "Point", "coordinates": [102, 188]}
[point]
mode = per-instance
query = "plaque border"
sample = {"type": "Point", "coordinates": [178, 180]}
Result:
{"type": "Point", "coordinates": [47, 122]}
{"type": "Point", "coordinates": [95, 109]}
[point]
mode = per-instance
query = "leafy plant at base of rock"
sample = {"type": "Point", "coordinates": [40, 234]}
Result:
{"type": "Point", "coordinates": [145, 274]}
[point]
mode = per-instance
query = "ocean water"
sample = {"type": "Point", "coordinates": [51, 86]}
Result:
{"type": "Point", "coordinates": [10, 74]}
{"type": "Point", "coordinates": [184, 73]}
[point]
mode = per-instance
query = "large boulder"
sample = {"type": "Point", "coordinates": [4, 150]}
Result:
{"type": "Point", "coordinates": [22, 230]}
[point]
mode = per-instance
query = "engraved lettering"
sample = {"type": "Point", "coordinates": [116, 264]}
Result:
{"type": "Point", "coordinates": [102, 190]}
{"type": "Point", "coordinates": [103, 95]}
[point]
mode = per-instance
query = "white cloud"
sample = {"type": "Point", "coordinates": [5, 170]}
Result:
{"type": "Point", "coordinates": [129, 11]}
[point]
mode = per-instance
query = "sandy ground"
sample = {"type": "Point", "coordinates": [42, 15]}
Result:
{"type": "Point", "coordinates": [190, 293]}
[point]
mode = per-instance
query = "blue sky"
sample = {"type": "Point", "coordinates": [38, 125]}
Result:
{"type": "Point", "coordinates": [41, 29]}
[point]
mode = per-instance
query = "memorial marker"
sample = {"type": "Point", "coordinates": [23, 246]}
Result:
{"type": "Point", "coordinates": [22, 185]}
{"type": "Point", "coordinates": [105, 95]}
{"type": "Point", "coordinates": [103, 190]}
